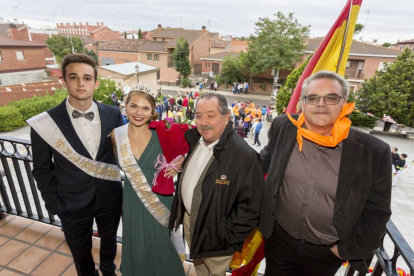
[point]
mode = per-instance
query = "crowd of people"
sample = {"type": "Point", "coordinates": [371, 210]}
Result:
{"type": "Point", "coordinates": [238, 87]}
{"type": "Point", "coordinates": [326, 198]}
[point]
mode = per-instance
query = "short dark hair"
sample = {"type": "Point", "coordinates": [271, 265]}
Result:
{"type": "Point", "coordinates": [404, 155]}
{"type": "Point", "coordinates": [78, 58]}
{"type": "Point", "coordinates": [223, 108]}
{"type": "Point", "coordinates": [396, 149]}
{"type": "Point", "coordinates": [327, 75]}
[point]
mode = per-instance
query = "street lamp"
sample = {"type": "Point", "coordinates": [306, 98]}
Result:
{"type": "Point", "coordinates": [137, 72]}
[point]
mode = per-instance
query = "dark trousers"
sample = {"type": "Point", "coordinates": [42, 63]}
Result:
{"type": "Point", "coordinates": [78, 234]}
{"type": "Point", "coordinates": [286, 256]}
{"type": "Point", "coordinates": [256, 138]}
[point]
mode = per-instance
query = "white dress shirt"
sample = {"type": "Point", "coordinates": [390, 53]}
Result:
{"type": "Point", "coordinates": [195, 167]}
{"type": "Point", "coordinates": [89, 132]}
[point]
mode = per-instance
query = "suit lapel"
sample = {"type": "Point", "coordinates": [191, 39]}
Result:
{"type": "Point", "coordinates": [289, 142]}
{"type": "Point", "coordinates": [350, 161]}
{"type": "Point", "coordinates": [105, 126]}
{"type": "Point", "coordinates": [65, 125]}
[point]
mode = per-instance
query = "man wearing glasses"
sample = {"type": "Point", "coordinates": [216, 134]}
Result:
{"type": "Point", "coordinates": [328, 189]}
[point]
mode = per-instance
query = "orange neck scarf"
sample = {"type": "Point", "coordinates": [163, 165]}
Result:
{"type": "Point", "coordinates": [339, 131]}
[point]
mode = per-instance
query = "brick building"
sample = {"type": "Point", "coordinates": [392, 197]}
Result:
{"type": "Point", "coordinates": [21, 61]}
{"type": "Point", "coordinates": [156, 50]}
{"type": "Point", "coordinates": [212, 63]}
{"type": "Point", "coordinates": [401, 45]}
{"type": "Point", "coordinates": [364, 59]}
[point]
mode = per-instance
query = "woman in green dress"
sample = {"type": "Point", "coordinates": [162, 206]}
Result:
{"type": "Point", "coordinates": [147, 248]}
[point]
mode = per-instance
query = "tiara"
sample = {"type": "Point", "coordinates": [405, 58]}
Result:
{"type": "Point", "coordinates": [144, 88]}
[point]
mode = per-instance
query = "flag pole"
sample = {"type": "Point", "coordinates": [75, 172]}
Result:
{"type": "Point", "coordinates": [345, 37]}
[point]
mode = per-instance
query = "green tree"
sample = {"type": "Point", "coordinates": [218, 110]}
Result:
{"type": "Point", "coordinates": [229, 72]}
{"type": "Point", "coordinates": [92, 55]}
{"type": "Point", "coordinates": [181, 59]}
{"type": "Point", "coordinates": [125, 35]}
{"type": "Point", "coordinates": [62, 46]}
{"type": "Point", "coordinates": [358, 28]}
{"type": "Point", "coordinates": [247, 65]}
{"type": "Point", "coordinates": [278, 43]}
{"type": "Point", "coordinates": [284, 94]}
{"type": "Point", "coordinates": [140, 34]}
{"type": "Point", "coordinates": [391, 91]}
{"type": "Point", "coordinates": [386, 44]}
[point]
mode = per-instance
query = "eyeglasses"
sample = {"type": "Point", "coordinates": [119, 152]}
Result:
{"type": "Point", "coordinates": [329, 100]}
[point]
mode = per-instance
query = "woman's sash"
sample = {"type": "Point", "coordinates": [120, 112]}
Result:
{"type": "Point", "coordinates": [46, 127]}
{"type": "Point", "coordinates": [137, 178]}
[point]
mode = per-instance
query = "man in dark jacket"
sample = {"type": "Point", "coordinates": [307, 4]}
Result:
{"type": "Point", "coordinates": [220, 190]}
{"type": "Point", "coordinates": [328, 189]}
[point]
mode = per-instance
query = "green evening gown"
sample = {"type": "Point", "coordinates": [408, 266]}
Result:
{"type": "Point", "coordinates": [146, 245]}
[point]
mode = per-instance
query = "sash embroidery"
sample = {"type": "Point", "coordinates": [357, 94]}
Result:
{"type": "Point", "coordinates": [55, 138]}
{"type": "Point", "coordinates": [137, 178]}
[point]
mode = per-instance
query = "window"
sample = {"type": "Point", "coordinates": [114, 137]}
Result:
{"type": "Point", "coordinates": [163, 39]}
{"type": "Point", "coordinates": [20, 55]}
{"type": "Point", "coordinates": [206, 64]}
{"type": "Point", "coordinates": [348, 63]}
{"type": "Point", "coordinates": [1, 58]}
{"type": "Point", "coordinates": [156, 57]}
{"type": "Point", "coordinates": [359, 69]}
{"type": "Point", "coordinates": [149, 56]}
{"type": "Point", "coordinates": [154, 39]}
{"type": "Point", "coordinates": [381, 66]}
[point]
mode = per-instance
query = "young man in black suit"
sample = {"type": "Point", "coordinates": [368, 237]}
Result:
{"type": "Point", "coordinates": [77, 192]}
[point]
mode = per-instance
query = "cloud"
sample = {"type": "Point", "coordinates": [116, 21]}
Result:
{"type": "Point", "coordinates": [229, 17]}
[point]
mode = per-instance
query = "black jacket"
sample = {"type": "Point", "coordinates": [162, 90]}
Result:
{"type": "Point", "coordinates": [229, 211]}
{"type": "Point", "coordinates": [363, 197]}
{"type": "Point", "coordinates": [67, 190]}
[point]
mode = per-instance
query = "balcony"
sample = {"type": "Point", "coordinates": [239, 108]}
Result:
{"type": "Point", "coordinates": [29, 248]}
{"type": "Point", "coordinates": [32, 243]}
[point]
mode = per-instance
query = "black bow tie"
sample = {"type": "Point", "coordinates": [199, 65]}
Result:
{"type": "Point", "coordinates": [89, 115]}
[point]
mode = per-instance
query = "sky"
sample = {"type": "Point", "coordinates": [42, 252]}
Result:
{"type": "Point", "coordinates": [384, 20]}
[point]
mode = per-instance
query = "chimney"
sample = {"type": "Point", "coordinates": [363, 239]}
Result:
{"type": "Point", "coordinates": [57, 25]}
{"type": "Point", "coordinates": [102, 24]}
{"type": "Point", "coordinates": [74, 24]}
{"type": "Point", "coordinates": [97, 24]}
{"type": "Point", "coordinates": [159, 28]}
{"type": "Point", "coordinates": [61, 24]}
{"type": "Point", "coordinates": [80, 24]}
{"type": "Point", "coordinates": [203, 28]}
{"type": "Point", "coordinates": [87, 24]}
{"type": "Point", "coordinates": [16, 21]}
{"type": "Point", "coordinates": [67, 25]}
{"type": "Point", "coordinates": [14, 33]}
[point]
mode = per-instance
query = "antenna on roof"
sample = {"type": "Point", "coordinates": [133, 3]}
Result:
{"type": "Point", "coordinates": [365, 26]}
{"type": "Point", "coordinates": [17, 16]}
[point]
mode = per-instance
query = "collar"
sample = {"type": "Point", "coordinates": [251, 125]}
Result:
{"type": "Point", "coordinates": [209, 147]}
{"type": "Point", "coordinates": [70, 108]}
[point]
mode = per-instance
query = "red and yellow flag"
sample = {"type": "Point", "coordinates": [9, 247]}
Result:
{"type": "Point", "coordinates": [328, 54]}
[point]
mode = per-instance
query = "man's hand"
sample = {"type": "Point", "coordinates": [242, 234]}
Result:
{"type": "Point", "coordinates": [334, 249]}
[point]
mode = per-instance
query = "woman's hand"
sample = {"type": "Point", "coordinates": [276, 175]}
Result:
{"type": "Point", "coordinates": [171, 172]}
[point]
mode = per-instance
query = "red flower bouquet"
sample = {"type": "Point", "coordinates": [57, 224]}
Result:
{"type": "Point", "coordinates": [173, 145]}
